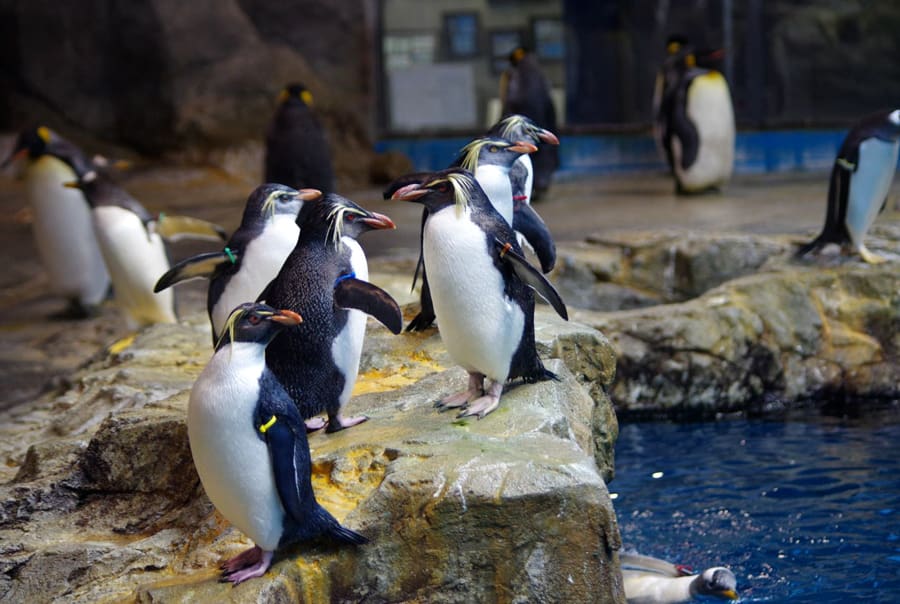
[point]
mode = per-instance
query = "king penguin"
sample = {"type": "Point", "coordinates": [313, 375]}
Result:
{"type": "Point", "coordinates": [325, 279]}
{"type": "Point", "coordinates": [131, 241]}
{"type": "Point", "coordinates": [699, 127]}
{"type": "Point", "coordinates": [482, 288]}
{"type": "Point", "coordinates": [249, 445]}
{"type": "Point", "coordinates": [860, 181]}
{"type": "Point", "coordinates": [650, 580]}
{"type": "Point", "coordinates": [252, 256]}
{"type": "Point", "coordinates": [297, 151]}
{"type": "Point", "coordinates": [63, 230]}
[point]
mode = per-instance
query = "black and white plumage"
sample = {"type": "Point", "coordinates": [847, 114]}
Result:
{"type": "Point", "coordinates": [649, 580]}
{"type": "Point", "coordinates": [249, 445]}
{"type": "Point", "coordinates": [62, 226]}
{"type": "Point", "coordinates": [252, 256]}
{"type": "Point", "coordinates": [860, 180]}
{"type": "Point", "coordinates": [325, 280]}
{"type": "Point", "coordinates": [482, 288]}
{"type": "Point", "coordinates": [297, 151]}
{"type": "Point", "coordinates": [132, 244]}
{"type": "Point", "coordinates": [696, 119]}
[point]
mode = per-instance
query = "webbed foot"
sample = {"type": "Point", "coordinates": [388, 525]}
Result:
{"type": "Point", "coordinates": [461, 399]}
{"type": "Point", "coordinates": [250, 563]}
{"type": "Point", "coordinates": [485, 404]}
{"type": "Point", "coordinates": [337, 422]}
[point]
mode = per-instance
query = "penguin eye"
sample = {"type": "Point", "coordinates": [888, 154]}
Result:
{"type": "Point", "coordinates": [349, 217]}
{"type": "Point", "coordinates": [493, 148]}
{"type": "Point", "coordinates": [285, 197]}
{"type": "Point", "coordinates": [253, 319]}
{"type": "Point", "coordinates": [443, 187]}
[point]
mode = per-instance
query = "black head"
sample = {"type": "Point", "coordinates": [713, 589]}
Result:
{"type": "Point", "coordinates": [334, 216]}
{"type": "Point", "coordinates": [517, 55]}
{"type": "Point", "coordinates": [256, 322]}
{"type": "Point", "coordinates": [517, 127]}
{"type": "Point", "coordinates": [493, 151]}
{"type": "Point", "coordinates": [295, 94]}
{"type": "Point", "coordinates": [270, 199]}
{"type": "Point", "coordinates": [32, 142]}
{"type": "Point", "coordinates": [454, 186]}
{"type": "Point", "coordinates": [717, 582]}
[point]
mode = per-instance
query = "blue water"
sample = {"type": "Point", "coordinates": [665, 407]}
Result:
{"type": "Point", "coordinates": [800, 511]}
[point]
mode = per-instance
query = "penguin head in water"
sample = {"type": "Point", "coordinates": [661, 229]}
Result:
{"type": "Point", "coordinates": [295, 94]}
{"type": "Point", "coordinates": [334, 216]}
{"type": "Point", "coordinates": [455, 186]}
{"type": "Point", "coordinates": [519, 127]}
{"type": "Point", "coordinates": [273, 199]}
{"type": "Point", "coordinates": [493, 151]}
{"type": "Point", "coordinates": [718, 582]}
{"type": "Point", "coordinates": [256, 323]}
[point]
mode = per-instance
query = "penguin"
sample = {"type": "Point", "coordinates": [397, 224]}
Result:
{"type": "Point", "coordinates": [490, 160]}
{"type": "Point", "coordinates": [525, 91]}
{"type": "Point", "coordinates": [667, 79]}
{"type": "Point", "coordinates": [252, 256]}
{"type": "Point", "coordinates": [325, 279]}
{"type": "Point", "coordinates": [699, 127]}
{"type": "Point", "coordinates": [249, 445]}
{"type": "Point", "coordinates": [860, 181]}
{"type": "Point", "coordinates": [131, 242]}
{"type": "Point", "coordinates": [482, 289]}
{"type": "Point", "coordinates": [297, 151]}
{"type": "Point", "coordinates": [650, 580]}
{"type": "Point", "coordinates": [62, 227]}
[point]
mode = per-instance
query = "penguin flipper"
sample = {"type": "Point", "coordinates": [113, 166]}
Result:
{"type": "Point", "coordinates": [370, 299]}
{"type": "Point", "coordinates": [635, 561]}
{"type": "Point", "coordinates": [835, 229]}
{"type": "Point", "coordinates": [174, 228]}
{"type": "Point", "coordinates": [531, 277]}
{"type": "Point", "coordinates": [201, 265]}
{"type": "Point", "coordinates": [527, 222]}
{"type": "Point", "coordinates": [426, 316]}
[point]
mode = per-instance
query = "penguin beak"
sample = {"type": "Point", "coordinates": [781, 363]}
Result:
{"type": "Point", "coordinates": [730, 594]}
{"type": "Point", "coordinates": [378, 221]}
{"type": "Point", "coordinates": [72, 184]}
{"type": "Point", "coordinates": [409, 192]}
{"type": "Point", "coordinates": [287, 317]}
{"type": "Point", "coordinates": [523, 147]}
{"type": "Point", "coordinates": [309, 194]}
{"type": "Point", "coordinates": [548, 137]}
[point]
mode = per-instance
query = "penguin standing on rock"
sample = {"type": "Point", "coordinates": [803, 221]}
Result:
{"type": "Point", "coordinates": [697, 119]}
{"type": "Point", "coordinates": [63, 230]}
{"type": "Point", "coordinates": [249, 445]}
{"type": "Point", "coordinates": [650, 580]}
{"type": "Point", "coordinates": [482, 288]}
{"type": "Point", "coordinates": [252, 256]}
{"type": "Point", "coordinates": [860, 181]}
{"type": "Point", "coordinates": [297, 152]}
{"type": "Point", "coordinates": [131, 241]}
{"type": "Point", "coordinates": [325, 280]}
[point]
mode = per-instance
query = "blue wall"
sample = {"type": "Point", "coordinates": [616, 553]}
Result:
{"type": "Point", "coordinates": [755, 152]}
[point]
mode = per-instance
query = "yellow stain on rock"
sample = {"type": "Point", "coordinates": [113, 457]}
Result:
{"type": "Point", "coordinates": [383, 380]}
{"type": "Point", "coordinates": [315, 586]}
{"type": "Point", "coordinates": [120, 345]}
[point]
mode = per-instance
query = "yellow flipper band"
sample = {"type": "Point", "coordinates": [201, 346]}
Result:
{"type": "Point", "coordinates": [846, 165]}
{"type": "Point", "coordinates": [267, 425]}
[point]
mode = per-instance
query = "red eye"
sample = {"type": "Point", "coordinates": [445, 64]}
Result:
{"type": "Point", "coordinates": [349, 217]}
{"type": "Point", "coordinates": [443, 187]}
{"type": "Point", "coordinates": [254, 319]}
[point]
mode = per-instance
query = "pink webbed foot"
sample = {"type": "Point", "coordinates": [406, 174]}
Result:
{"type": "Point", "coordinates": [315, 423]}
{"type": "Point", "coordinates": [250, 563]}
{"type": "Point", "coordinates": [340, 423]}
{"type": "Point", "coordinates": [485, 404]}
{"type": "Point", "coordinates": [461, 399]}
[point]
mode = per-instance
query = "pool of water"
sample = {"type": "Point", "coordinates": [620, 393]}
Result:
{"type": "Point", "coordinates": [801, 511]}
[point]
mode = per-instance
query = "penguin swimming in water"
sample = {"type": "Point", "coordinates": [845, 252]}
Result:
{"type": "Point", "coordinates": [860, 181]}
{"type": "Point", "coordinates": [650, 580]}
{"type": "Point", "coordinates": [131, 241]}
{"type": "Point", "coordinates": [482, 288]}
{"type": "Point", "coordinates": [325, 280]}
{"type": "Point", "coordinates": [698, 121]}
{"type": "Point", "coordinates": [249, 445]}
{"type": "Point", "coordinates": [524, 90]}
{"type": "Point", "coordinates": [252, 256]}
{"type": "Point", "coordinates": [62, 226]}
{"type": "Point", "coordinates": [297, 151]}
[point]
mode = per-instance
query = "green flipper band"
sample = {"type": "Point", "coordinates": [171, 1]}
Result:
{"type": "Point", "coordinates": [846, 165]}
{"type": "Point", "coordinates": [230, 255]}
{"type": "Point", "coordinates": [269, 423]}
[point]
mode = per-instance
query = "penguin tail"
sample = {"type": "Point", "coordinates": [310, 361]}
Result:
{"type": "Point", "coordinates": [540, 374]}
{"type": "Point", "coordinates": [332, 529]}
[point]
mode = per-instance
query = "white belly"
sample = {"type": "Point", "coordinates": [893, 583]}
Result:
{"type": "Point", "coordinates": [232, 461]}
{"type": "Point", "coordinates": [652, 588]}
{"type": "Point", "coordinates": [495, 183]}
{"type": "Point", "coordinates": [347, 346]}
{"type": "Point", "coordinates": [262, 260]}
{"type": "Point", "coordinates": [64, 233]}
{"type": "Point", "coordinates": [479, 325]}
{"type": "Point", "coordinates": [869, 185]}
{"type": "Point", "coordinates": [135, 260]}
{"type": "Point", "coordinates": [709, 108]}
{"type": "Point", "coordinates": [525, 160]}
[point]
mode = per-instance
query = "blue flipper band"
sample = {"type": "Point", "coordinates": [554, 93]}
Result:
{"type": "Point", "coordinates": [350, 275]}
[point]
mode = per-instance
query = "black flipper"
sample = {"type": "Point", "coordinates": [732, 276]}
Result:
{"type": "Point", "coordinates": [531, 277]}
{"type": "Point", "coordinates": [527, 222]}
{"type": "Point", "coordinates": [201, 265]}
{"type": "Point", "coordinates": [371, 299]}
{"type": "Point", "coordinates": [426, 316]}
{"type": "Point", "coordinates": [835, 228]}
